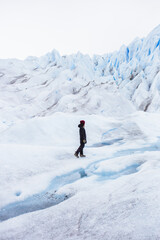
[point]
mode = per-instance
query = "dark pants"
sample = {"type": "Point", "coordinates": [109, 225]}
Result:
{"type": "Point", "coordinates": [80, 149]}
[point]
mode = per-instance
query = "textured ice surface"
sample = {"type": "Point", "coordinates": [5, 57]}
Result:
{"type": "Point", "coordinates": [47, 193]}
{"type": "Point", "coordinates": [112, 85]}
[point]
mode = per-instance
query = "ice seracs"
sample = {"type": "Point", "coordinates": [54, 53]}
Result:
{"type": "Point", "coordinates": [51, 83]}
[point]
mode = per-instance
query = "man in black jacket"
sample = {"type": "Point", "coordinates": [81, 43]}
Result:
{"type": "Point", "coordinates": [83, 139]}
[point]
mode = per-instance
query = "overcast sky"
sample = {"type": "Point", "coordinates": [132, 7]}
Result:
{"type": "Point", "coordinates": [35, 27]}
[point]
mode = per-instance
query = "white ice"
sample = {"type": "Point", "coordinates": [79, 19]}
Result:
{"type": "Point", "coordinates": [113, 193]}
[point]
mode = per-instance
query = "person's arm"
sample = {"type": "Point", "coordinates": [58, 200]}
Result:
{"type": "Point", "coordinates": [84, 135]}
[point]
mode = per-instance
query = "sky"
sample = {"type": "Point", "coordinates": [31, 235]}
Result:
{"type": "Point", "coordinates": [35, 27]}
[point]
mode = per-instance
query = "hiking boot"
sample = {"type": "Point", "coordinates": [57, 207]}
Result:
{"type": "Point", "coordinates": [76, 155]}
{"type": "Point", "coordinates": [81, 155]}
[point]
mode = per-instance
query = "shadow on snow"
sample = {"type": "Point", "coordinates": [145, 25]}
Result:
{"type": "Point", "coordinates": [49, 197]}
{"type": "Point", "coordinates": [43, 200]}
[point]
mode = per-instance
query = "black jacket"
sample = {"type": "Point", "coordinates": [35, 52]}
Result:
{"type": "Point", "coordinates": [82, 134]}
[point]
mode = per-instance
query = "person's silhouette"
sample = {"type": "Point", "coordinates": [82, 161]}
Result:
{"type": "Point", "coordinates": [83, 139]}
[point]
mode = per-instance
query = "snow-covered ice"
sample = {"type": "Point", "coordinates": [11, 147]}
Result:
{"type": "Point", "coordinates": [47, 193]}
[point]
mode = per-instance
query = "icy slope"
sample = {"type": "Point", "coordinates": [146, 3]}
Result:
{"type": "Point", "coordinates": [46, 193]}
{"type": "Point", "coordinates": [110, 84]}
{"type": "Point", "coordinates": [42, 87]}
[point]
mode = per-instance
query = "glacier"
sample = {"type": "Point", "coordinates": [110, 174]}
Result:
{"type": "Point", "coordinates": [51, 83]}
{"type": "Point", "coordinates": [45, 192]}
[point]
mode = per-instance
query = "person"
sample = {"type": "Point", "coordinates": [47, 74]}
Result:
{"type": "Point", "coordinates": [83, 139]}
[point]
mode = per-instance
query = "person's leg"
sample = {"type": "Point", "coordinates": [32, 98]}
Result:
{"type": "Point", "coordinates": [81, 152]}
{"type": "Point", "coordinates": [80, 149]}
